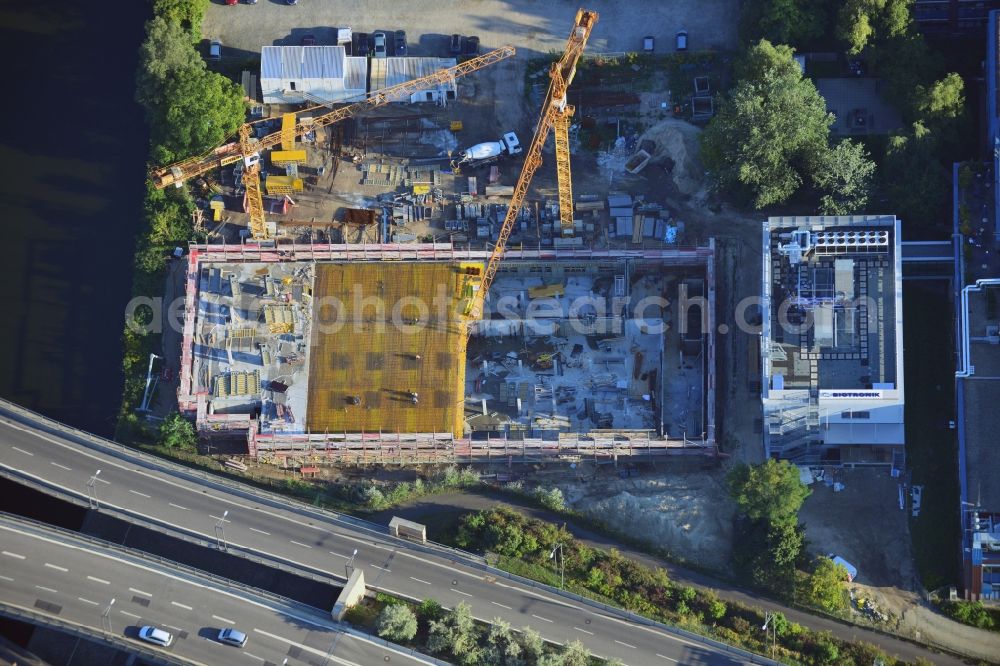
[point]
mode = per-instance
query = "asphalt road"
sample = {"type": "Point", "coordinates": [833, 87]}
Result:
{"type": "Point", "coordinates": [74, 579]}
{"type": "Point", "coordinates": [324, 543]}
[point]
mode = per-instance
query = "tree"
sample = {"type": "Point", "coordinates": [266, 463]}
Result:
{"type": "Point", "coordinates": [502, 646]}
{"type": "Point", "coordinates": [455, 633]}
{"type": "Point", "coordinates": [551, 498]}
{"type": "Point", "coordinates": [185, 13]}
{"type": "Point", "coordinates": [199, 110]}
{"type": "Point", "coordinates": [860, 22]}
{"type": "Point", "coordinates": [770, 491]}
{"type": "Point", "coordinates": [396, 622]}
{"type": "Point", "coordinates": [176, 432]}
{"type": "Point", "coordinates": [823, 585]}
{"type": "Point", "coordinates": [532, 645]}
{"type": "Point", "coordinates": [574, 654]}
{"type": "Point", "coordinates": [766, 554]}
{"type": "Point", "coordinates": [795, 22]}
{"type": "Point", "coordinates": [166, 51]}
{"type": "Point", "coordinates": [845, 175]}
{"type": "Point", "coordinates": [769, 129]}
{"type": "Point", "coordinates": [942, 101]}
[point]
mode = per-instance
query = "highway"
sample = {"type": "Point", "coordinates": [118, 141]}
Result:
{"type": "Point", "coordinates": [157, 493]}
{"type": "Point", "coordinates": [59, 574]}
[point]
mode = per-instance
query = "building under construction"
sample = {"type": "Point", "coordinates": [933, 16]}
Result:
{"type": "Point", "coordinates": [365, 354]}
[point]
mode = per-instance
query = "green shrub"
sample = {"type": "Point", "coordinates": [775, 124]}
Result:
{"type": "Point", "coordinates": [972, 613]}
{"type": "Point", "coordinates": [396, 622]}
{"type": "Point", "coordinates": [551, 498]}
{"type": "Point", "coordinates": [429, 610]}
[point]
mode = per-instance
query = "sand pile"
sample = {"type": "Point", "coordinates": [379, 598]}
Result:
{"type": "Point", "coordinates": [677, 140]}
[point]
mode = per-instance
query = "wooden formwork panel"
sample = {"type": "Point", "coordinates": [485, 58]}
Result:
{"type": "Point", "coordinates": [371, 322]}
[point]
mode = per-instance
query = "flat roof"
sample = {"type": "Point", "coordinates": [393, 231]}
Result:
{"type": "Point", "coordinates": [379, 356]}
{"type": "Point", "coordinates": [981, 396]}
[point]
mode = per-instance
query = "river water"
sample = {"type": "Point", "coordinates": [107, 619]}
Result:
{"type": "Point", "coordinates": [72, 158]}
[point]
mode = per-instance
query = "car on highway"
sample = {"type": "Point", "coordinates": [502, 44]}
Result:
{"type": "Point", "coordinates": [400, 41]}
{"type": "Point", "coordinates": [470, 46]}
{"type": "Point", "coordinates": [231, 636]}
{"type": "Point", "coordinates": [156, 636]}
{"type": "Point", "coordinates": [379, 41]}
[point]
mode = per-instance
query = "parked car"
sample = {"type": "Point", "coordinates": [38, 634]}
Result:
{"type": "Point", "coordinates": [400, 40]}
{"type": "Point", "coordinates": [309, 40]}
{"type": "Point", "coordinates": [232, 2]}
{"type": "Point", "coordinates": [156, 636]}
{"type": "Point", "coordinates": [682, 40]}
{"type": "Point", "coordinates": [379, 45]}
{"type": "Point", "coordinates": [232, 637]}
{"type": "Point", "coordinates": [456, 44]}
{"type": "Point", "coordinates": [215, 50]}
{"type": "Point", "coordinates": [250, 2]}
{"type": "Point", "coordinates": [291, 2]}
{"type": "Point", "coordinates": [470, 46]}
{"type": "Point", "coordinates": [362, 44]}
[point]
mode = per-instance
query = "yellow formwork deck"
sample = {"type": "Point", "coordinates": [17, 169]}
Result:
{"type": "Point", "coordinates": [382, 331]}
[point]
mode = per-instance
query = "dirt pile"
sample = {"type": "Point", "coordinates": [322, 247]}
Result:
{"type": "Point", "coordinates": [677, 141]}
{"type": "Point", "coordinates": [687, 514]}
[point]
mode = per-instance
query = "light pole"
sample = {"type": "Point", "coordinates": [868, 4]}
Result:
{"type": "Point", "coordinates": [106, 615]}
{"type": "Point", "coordinates": [562, 567]}
{"type": "Point", "coordinates": [769, 620]}
{"type": "Point", "coordinates": [220, 531]}
{"type": "Point", "coordinates": [92, 491]}
{"type": "Point", "coordinates": [350, 564]}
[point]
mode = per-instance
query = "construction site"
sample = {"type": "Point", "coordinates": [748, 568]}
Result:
{"type": "Point", "coordinates": [426, 311]}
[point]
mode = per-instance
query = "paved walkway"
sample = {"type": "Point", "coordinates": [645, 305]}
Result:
{"type": "Point", "coordinates": [436, 507]}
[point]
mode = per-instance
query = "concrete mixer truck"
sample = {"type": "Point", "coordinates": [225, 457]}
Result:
{"type": "Point", "coordinates": [488, 152]}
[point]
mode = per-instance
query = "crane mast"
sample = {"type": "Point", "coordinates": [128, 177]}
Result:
{"type": "Point", "coordinates": [248, 149]}
{"type": "Point", "coordinates": [555, 112]}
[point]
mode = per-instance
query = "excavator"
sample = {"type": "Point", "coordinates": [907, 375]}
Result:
{"type": "Point", "coordinates": [248, 149]}
{"type": "Point", "coordinates": [556, 114]}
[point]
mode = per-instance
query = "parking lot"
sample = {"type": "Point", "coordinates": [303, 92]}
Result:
{"type": "Point", "coordinates": [533, 27]}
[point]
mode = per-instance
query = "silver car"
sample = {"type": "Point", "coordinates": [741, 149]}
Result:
{"type": "Point", "coordinates": [233, 637]}
{"type": "Point", "coordinates": [380, 40]}
{"type": "Point", "coordinates": [156, 636]}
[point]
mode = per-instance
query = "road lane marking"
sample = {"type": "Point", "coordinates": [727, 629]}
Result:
{"type": "Point", "coordinates": [10, 554]}
{"type": "Point", "coordinates": [460, 592]}
{"type": "Point", "coordinates": [136, 492]}
{"type": "Point", "coordinates": [497, 603]}
{"type": "Point", "coordinates": [132, 615]}
{"type": "Point", "coordinates": [47, 589]}
{"type": "Point", "coordinates": [178, 506]}
{"type": "Point", "coordinates": [663, 656]}
{"type": "Point", "coordinates": [56, 567]}
{"type": "Point", "coordinates": [254, 529]}
{"type": "Point", "coordinates": [7, 578]}
{"type": "Point", "coordinates": [145, 594]}
{"type": "Point", "coordinates": [68, 469]}
{"type": "Point", "coordinates": [584, 631]}
{"type": "Point", "coordinates": [625, 644]}
{"type": "Point", "coordinates": [299, 543]}
{"type": "Point", "coordinates": [220, 518]}
{"type": "Point", "coordinates": [338, 555]}
{"type": "Point", "coordinates": [27, 453]}
{"type": "Point", "coordinates": [98, 580]}
{"type": "Point", "coordinates": [304, 648]}
{"type": "Point", "coordinates": [104, 481]}
{"type": "Point", "coordinates": [88, 601]}
{"type": "Point", "coordinates": [253, 656]}
{"type": "Point", "coordinates": [385, 569]}
{"type": "Point", "coordinates": [184, 606]}
{"type": "Point", "coordinates": [170, 626]}
{"type": "Point", "coordinates": [222, 619]}
{"type": "Point", "coordinates": [419, 580]}
{"type": "Point", "coordinates": [539, 617]}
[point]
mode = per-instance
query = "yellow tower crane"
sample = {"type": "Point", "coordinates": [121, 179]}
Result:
{"type": "Point", "coordinates": [248, 149]}
{"type": "Point", "coordinates": [555, 113]}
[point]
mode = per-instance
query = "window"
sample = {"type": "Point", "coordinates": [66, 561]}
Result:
{"type": "Point", "coordinates": [855, 415]}
{"type": "Point", "coordinates": [293, 85]}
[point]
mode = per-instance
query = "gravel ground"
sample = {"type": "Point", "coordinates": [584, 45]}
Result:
{"type": "Point", "coordinates": [533, 27]}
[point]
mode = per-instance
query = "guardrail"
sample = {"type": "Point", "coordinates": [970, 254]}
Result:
{"type": "Point", "coordinates": [136, 556]}
{"type": "Point", "coordinates": [92, 634]}
{"type": "Point", "coordinates": [292, 504]}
